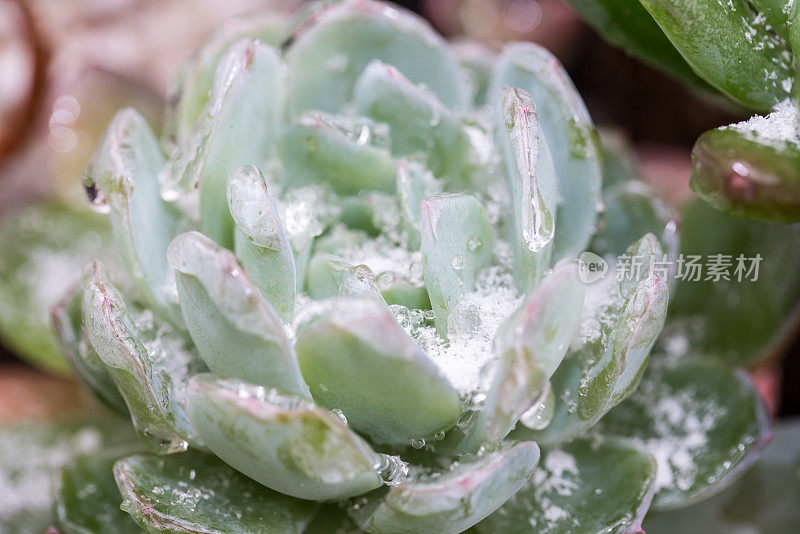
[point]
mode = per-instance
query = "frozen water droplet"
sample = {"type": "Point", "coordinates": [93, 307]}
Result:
{"type": "Point", "coordinates": [439, 436]}
{"type": "Point", "coordinates": [386, 280]}
{"type": "Point", "coordinates": [339, 415]}
{"type": "Point", "coordinates": [417, 443]}
{"type": "Point", "coordinates": [391, 469]}
{"type": "Point", "coordinates": [458, 262]}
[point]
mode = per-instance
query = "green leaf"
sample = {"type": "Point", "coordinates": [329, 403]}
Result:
{"type": "Point", "coordinates": [239, 126]}
{"type": "Point", "coordinates": [533, 187]}
{"type": "Point", "coordinates": [715, 318]}
{"type": "Point", "coordinates": [415, 183]}
{"type": "Point", "coordinates": [477, 60]}
{"type": "Point", "coordinates": [42, 251]}
{"type": "Point", "coordinates": [419, 123]}
{"type": "Point", "coordinates": [529, 346]}
{"type": "Point", "coordinates": [347, 153]}
{"type": "Point", "coordinates": [620, 163]}
{"type": "Point", "coordinates": [190, 93]}
{"type": "Point", "coordinates": [585, 486]}
{"type": "Point", "coordinates": [192, 493]}
{"type": "Point", "coordinates": [123, 176]}
{"type": "Point", "coordinates": [33, 452]}
{"type": "Point", "coordinates": [629, 209]}
{"type": "Point", "coordinates": [357, 359]}
{"type": "Point", "coordinates": [329, 55]}
{"type": "Point", "coordinates": [83, 360]}
{"type": "Point", "coordinates": [748, 175]}
{"type": "Point", "coordinates": [457, 242]}
{"type": "Point", "coordinates": [731, 46]}
{"type": "Point", "coordinates": [452, 500]}
{"type": "Point", "coordinates": [569, 134]}
{"type": "Point", "coordinates": [764, 500]}
{"type": "Point", "coordinates": [703, 422]}
{"type": "Point", "coordinates": [261, 242]}
{"type": "Point", "coordinates": [620, 323]}
{"type": "Point", "coordinates": [149, 364]}
{"type": "Point", "coordinates": [629, 26]}
{"type": "Point", "coordinates": [236, 331]}
{"type": "Point", "coordinates": [87, 498]}
{"type": "Point", "coordinates": [281, 441]}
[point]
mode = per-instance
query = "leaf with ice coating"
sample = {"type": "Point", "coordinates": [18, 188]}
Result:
{"type": "Point", "coordinates": [703, 422]}
{"type": "Point", "coordinates": [477, 59]}
{"type": "Point", "coordinates": [419, 123]}
{"type": "Point", "coordinates": [329, 55]}
{"type": "Point", "coordinates": [193, 493]}
{"type": "Point", "coordinates": [750, 175]}
{"type": "Point", "coordinates": [42, 251]}
{"type": "Point", "coordinates": [711, 316]}
{"type": "Point", "coordinates": [764, 499]}
{"type": "Point", "coordinates": [87, 498]}
{"type": "Point", "coordinates": [533, 185]}
{"type": "Point", "coordinates": [415, 183]}
{"type": "Point", "coordinates": [457, 242]}
{"type": "Point", "coordinates": [149, 364]}
{"type": "Point", "coordinates": [330, 276]}
{"type": "Point", "coordinates": [347, 153]}
{"type": "Point", "coordinates": [83, 360]}
{"type": "Point", "coordinates": [191, 91]}
{"type": "Point", "coordinates": [283, 441]}
{"type": "Point", "coordinates": [570, 136]}
{"type": "Point", "coordinates": [620, 323]}
{"type": "Point", "coordinates": [576, 489]}
{"type": "Point", "coordinates": [123, 175]}
{"type": "Point", "coordinates": [451, 500]}
{"type": "Point", "coordinates": [733, 47]}
{"type": "Point", "coordinates": [529, 345]}
{"type": "Point", "coordinates": [239, 127]}
{"type": "Point", "coordinates": [629, 209]}
{"type": "Point", "coordinates": [357, 359]}
{"type": "Point", "coordinates": [236, 331]}
{"type": "Point", "coordinates": [261, 243]}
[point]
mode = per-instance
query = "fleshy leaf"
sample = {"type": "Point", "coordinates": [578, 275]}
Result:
{"type": "Point", "coordinates": [261, 242]}
{"type": "Point", "coordinates": [87, 498]}
{"type": "Point", "coordinates": [236, 331]}
{"type": "Point", "coordinates": [347, 153]}
{"type": "Point", "coordinates": [529, 346]}
{"type": "Point", "coordinates": [283, 441]}
{"type": "Point", "coordinates": [452, 500]}
{"type": "Point", "coordinates": [327, 57]}
{"type": "Point", "coordinates": [585, 486]}
{"type": "Point", "coordinates": [630, 208]}
{"type": "Point", "coordinates": [357, 359]}
{"type": "Point", "coordinates": [731, 46]}
{"type": "Point", "coordinates": [192, 493]}
{"type": "Point", "coordinates": [418, 121]}
{"type": "Point", "coordinates": [191, 91]}
{"type": "Point", "coordinates": [703, 422]}
{"type": "Point", "coordinates": [457, 242]}
{"type": "Point", "coordinates": [83, 360]}
{"type": "Point", "coordinates": [713, 313]}
{"type": "Point", "coordinates": [330, 276]}
{"type": "Point", "coordinates": [570, 137]}
{"type": "Point", "coordinates": [414, 184]}
{"type": "Point", "coordinates": [533, 186]}
{"type": "Point", "coordinates": [763, 500]}
{"type": "Point", "coordinates": [33, 452]}
{"type": "Point", "coordinates": [477, 60]}
{"type": "Point", "coordinates": [620, 323]}
{"type": "Point", "coordinates": [747, 176]}
{"type": "Point", "coordinates": [123, 176]}
{"type": "Point", "coordinates": [43, 249]}
{"type": "Point", "coordinates": [149, 364]}
{"type": "Point", "coordinates": [239, 127]}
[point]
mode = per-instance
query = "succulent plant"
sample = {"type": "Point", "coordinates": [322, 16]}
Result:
{"type": "Point", "coordinates": [352, 301]}
{"type": "Point", "coordinates": [745, 51]}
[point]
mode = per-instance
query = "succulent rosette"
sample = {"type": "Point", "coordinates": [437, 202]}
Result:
{"type": "Point", "coordinates": [352, 300]}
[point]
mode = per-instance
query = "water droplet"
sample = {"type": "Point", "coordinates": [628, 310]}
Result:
{"type": "Point", "coordinates": [386, 280]}
{"type": "Point", "coordinates": [458, 262]}
{"type": "Point", "coordinates": [339, 415]}
{"type": "Point", "coordinates": [417, 443]}
{"type": "Point", "coordinates": [391, 469]}
{"type": "Point", "coordinates": [439, 436]}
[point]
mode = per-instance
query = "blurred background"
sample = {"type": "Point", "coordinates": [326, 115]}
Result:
{"type": "Point", "coordinates": [65, 67]}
